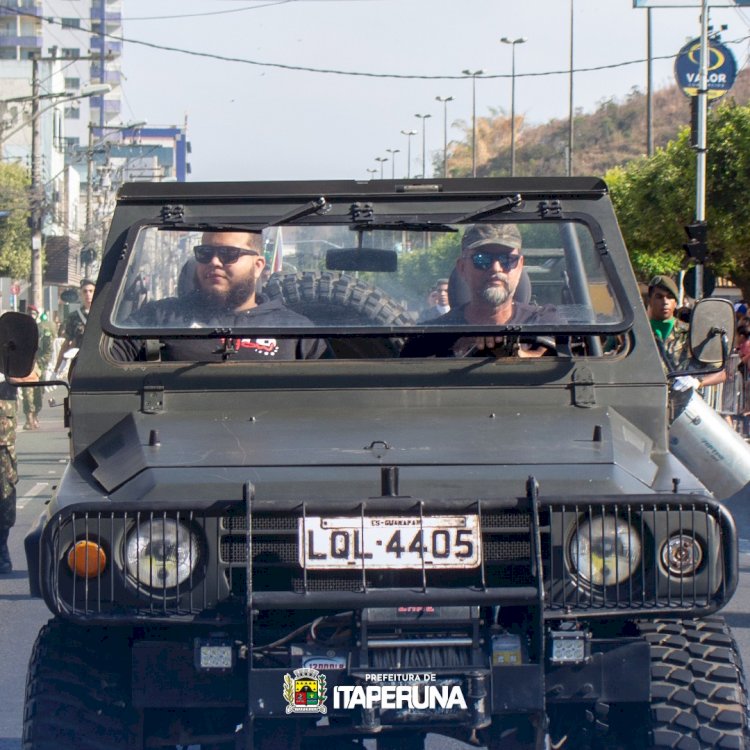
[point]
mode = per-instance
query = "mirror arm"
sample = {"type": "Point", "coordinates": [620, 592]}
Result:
{"type": "Point", "coordinates": [724, 345]}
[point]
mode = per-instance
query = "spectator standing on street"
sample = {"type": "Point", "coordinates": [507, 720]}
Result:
{"type": "Point", "coordinates": [75, 323]}
{"type": "Point", "coordinates": [8, 470]}
{"type": "Point", "coordinates": [32, 397]}
{"type": "Point", "coordinates": [671, 333]}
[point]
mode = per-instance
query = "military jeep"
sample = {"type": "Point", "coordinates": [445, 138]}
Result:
{"type": "Point", "coordinates": [399, 535]}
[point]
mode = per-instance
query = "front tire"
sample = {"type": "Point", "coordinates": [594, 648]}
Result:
{"type": "Point", "coordinates": [698, 697]}
{"type": "Point", "coordinates": [78, 691]}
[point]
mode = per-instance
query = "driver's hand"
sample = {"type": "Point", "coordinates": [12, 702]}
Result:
{"type": "Point", "coordinates": [488, 342]}
{"type": "Point", "coordinates": [529, 352]}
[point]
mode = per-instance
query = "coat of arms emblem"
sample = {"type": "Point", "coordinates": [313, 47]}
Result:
{"type": "Point", "coordinates": [305, 692]}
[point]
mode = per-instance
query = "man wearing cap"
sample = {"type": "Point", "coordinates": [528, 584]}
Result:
{"type": "Point", "coordinates": [670, 333]}
{"type": "Point", "coordinates": [490, 265]}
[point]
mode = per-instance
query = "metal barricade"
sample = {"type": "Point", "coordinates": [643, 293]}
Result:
{"type": "Point", "coordinates": [731, 399]}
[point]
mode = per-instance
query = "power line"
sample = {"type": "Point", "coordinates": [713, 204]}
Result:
{"type": "Point", "coordinates": [362, 74]}
{"type": "Point", "coordinates": [210, 12]}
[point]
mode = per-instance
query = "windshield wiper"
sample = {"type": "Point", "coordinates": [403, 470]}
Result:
{"type": "Point", "coordinates": [502, 205]}
{"type": "Point", "coordinates": [317, 206]}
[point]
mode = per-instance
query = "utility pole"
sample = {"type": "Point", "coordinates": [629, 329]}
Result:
{"type": "Point", "coordinates": [570, 95]}
{"type": "Point", "coordinates": [36, 191]}
{"type": "Point", "coordinates": [701, 148]}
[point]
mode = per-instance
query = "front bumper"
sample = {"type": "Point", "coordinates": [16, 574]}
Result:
{"type": "Point", "coordinates": [526, 560]}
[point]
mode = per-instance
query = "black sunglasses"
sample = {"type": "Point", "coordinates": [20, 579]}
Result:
{"type": "Point", "coordinates": [484, 260]}
{"type": "Point", "coordinates": [225, 253]}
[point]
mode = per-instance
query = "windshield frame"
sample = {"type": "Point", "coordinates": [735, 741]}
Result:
{"type": "Point", "coordinates": [256, 220]}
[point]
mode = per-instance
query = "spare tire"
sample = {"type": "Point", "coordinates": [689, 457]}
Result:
{"type": "Point", "coordinates": [339, 299]}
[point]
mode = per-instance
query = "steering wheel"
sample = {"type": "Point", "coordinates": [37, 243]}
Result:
{"type": "Point", "coordinates": [548, 343]}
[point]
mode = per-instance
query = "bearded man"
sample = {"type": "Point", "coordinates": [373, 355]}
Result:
{"type": "Point", "coordinates": [490, 264]}
{"type": "Point", "coordinates": [224, 295]}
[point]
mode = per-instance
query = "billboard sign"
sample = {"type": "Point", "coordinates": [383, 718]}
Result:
{"type": "Point", "coordinates": [722, 68]}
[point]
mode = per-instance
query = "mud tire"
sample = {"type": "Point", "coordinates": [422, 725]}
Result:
{"type": "Point", "coordinates": [698, 696]}
{"type": "Point", "coordinates": [75, 698]}
{"type": "Point", "coordinates": [332, 299]}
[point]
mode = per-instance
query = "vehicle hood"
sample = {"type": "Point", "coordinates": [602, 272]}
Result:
{"type": "Point", "coordinates": [434, 440]}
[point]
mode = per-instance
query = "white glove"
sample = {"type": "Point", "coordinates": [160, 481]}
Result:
{"type": "Point", "coordinates": [685, 383]}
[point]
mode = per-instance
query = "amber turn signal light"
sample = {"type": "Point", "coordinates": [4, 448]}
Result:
{"type": "Point", "coordinates": [87, 559]}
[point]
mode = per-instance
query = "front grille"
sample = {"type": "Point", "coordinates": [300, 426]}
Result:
{"type": "Point", "coordinates": [573, 581]}
{"type": "Point", "coordinates": [625, 581]}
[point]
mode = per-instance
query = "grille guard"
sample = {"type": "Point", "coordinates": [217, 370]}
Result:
{"type": "Point", "coordinates": [524, 536]}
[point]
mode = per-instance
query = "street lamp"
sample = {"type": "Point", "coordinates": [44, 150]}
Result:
{"type": "Point", "coordinates": [445, 100]}
{"type": "Point", "coordinates": [393, 152]}
{"type": "Point", "coordinates": [423, 118]}
{"type": "Point", "coordinates": [513, 43]}
{"type": "Point", "coordinates": [473, 74]}
{"type": "Point", "coordinates": [382, 160]}
{"type": "Point", "coordinates": [372, 172]}
{"type": "Point", "coordinates": [408, 134]}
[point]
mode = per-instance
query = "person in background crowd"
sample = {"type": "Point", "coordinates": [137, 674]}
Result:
{"type": "Point", "coordinates": [8, 471]}
{"type": "Point", "coordinates": [32, 397]}
{"type": "Point", "coordinates": [8, 465]}
{"type": "Point", "coordinates": [437, 302]}
{"type": "Point", "coordinates": [671, 333]}
{"type": "Point", "coordinates": [75, 323]}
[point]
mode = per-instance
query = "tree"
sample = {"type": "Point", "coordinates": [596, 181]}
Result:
{"type": "Point", "coordinates": [15, 235]}
{"type": "Point", "coordinates": [655, 198]}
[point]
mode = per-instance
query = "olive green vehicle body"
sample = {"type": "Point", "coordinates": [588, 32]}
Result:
{"type": "Point", "coordinates": [536, 448]}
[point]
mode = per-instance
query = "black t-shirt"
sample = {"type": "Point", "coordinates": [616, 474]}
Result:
{"type": "Point", "coordinates": [454, 345]}
{"type": "Point", "coordinates": [75, 325]}
{"type": "Point", "coordinates": [191, 311]}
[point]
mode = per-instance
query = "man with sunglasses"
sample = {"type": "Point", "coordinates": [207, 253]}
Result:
{"type": "Point", "coordinates": [223, 293]}
{"type": "Point", "coordinates": [490, 265]}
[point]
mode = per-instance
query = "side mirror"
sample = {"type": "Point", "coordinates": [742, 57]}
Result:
{"type": "Point", "coordinates": [712, 329]}
{"type": "Point", "coordinates": [19, 339]}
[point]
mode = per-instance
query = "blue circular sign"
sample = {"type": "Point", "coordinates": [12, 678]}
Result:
{"type": "Point", "coordinates": [722, 68]}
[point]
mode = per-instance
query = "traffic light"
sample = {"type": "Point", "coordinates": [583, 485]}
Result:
{"type": "Point", "coordinates": [697, 245]}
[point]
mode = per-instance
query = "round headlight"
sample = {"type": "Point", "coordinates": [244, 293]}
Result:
{"type": "Point", "coordinates": [682, 555]}
{"type": "Point", "coordinates": [161, 553]}
{"type": "Point", "coordinates": [605, 551]}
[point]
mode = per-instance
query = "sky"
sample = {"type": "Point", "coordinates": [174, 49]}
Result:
{"type": "Point", "coordinates": [249, 120]}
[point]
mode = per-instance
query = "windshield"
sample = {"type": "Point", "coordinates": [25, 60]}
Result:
{"type": "Point", "coordinates": [346, 279]}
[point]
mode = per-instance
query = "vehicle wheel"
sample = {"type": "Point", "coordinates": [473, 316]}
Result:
{"type": "Point", "coordinates": [698, 697]}
{"type": "Point", "coordinates": [330, 299]}
{"type": "Point", "coordinates": [77, 691]}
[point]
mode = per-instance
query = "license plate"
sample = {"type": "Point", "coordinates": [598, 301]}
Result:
{"type": "Point", "coordinates": [404, 542]}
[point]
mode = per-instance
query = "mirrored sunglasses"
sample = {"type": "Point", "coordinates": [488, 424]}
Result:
{"type": "Point", "coordinates": [484, 260]}
{"type": "Point", "coordinates": [227, 254]}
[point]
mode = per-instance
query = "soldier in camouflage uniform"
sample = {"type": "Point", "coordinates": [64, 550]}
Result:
{"type": "Point", "coordinates": [32, 398]}
{"type": "Point", "coordinates": [8, 471]}
{"type": "Point", "coordinates": [671, 334]}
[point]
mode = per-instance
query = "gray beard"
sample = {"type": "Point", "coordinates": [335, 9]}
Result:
{"type": "Point", "coordinates": [496, 295]}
